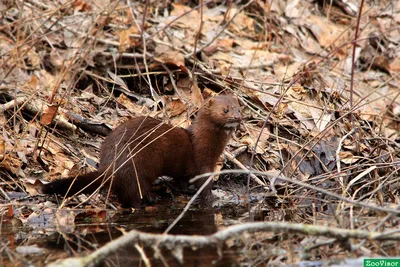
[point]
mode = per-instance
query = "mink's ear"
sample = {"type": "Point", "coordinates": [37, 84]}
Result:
{"type": "Point", "coordinates": [211, 101]}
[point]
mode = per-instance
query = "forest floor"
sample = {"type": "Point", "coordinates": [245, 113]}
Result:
{"type": "Point", "coordinates": [318, 85]}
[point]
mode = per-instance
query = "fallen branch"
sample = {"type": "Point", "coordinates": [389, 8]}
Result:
{"type": "Point", "coordinates": [168, 241]}
{"type": "Point", "coordinates": [241, 166]}
{"type": "Point", "coordinates": [13, 103]}
{"type": "Point", "coordinates": [35, 108]}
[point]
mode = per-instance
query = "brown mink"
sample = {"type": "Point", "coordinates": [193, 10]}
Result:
{"type": "Point", "coordinates": [142, 149]}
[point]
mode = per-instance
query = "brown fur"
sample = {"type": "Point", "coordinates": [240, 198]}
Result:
{"type": "Point", "coordinates": [144, 148]}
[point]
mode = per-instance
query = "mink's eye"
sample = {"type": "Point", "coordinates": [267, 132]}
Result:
{"type": "Point", "coordinates": [226, 110]}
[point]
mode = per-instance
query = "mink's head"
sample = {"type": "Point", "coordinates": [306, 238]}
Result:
{"type": "Point", "coordinates": [222, 110]}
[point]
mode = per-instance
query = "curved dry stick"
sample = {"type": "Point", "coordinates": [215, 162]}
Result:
{"type": "Point", "coordinates": [168, 241]}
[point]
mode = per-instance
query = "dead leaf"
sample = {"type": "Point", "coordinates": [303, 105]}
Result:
{"type": "Point", "coordinates": [179, 9]}
{"type": "Point", "coordinates": [174, 106]}
{"type": "Point", "coordinates": [222, 57]}
{"type": "Point", "coordinates": [348, 157]}
{"type": "Point", "coordinates": [169, 56]}
{"type": "Point", "coordinates": [65, 220]}
{"type": "Point", "coordinates": [268, 99]}
{"type": "Point", "coordinates": [287, 71]}
{"type": "Point", "coordinates": [321, 118]}
{"type": "Point", "coordinates": [131, 106]}
{"type": "Point", "coordinates": [151, 209]}
{"type": "Point", "coordinates": [86, 94]}
{"type": "Point", "coordinates": [93, 216]}
{"type": "Point", "coordinates": [296, 9]}
{"type": "Point", "coordinates": [49, 114]}
{"type": "Point", "coordinates": [33, 59]}
{"type": "Point", "coordinates": [33, 186]}
{"type": "Point", "coordinates": [127, 41]}
{"type": "Point", "coordinates": [326, 32]}
{"type": "Point", "coordinates": [251, 139]}
{"type": "Point", "coordinates": [72, 37]}
{"type": "Point", "coordinates": [10, 211]}
{"type": "Point", "coordinates": [33, 83]}
{"type": "Point", "coordinates": [190, 92]}
{"type": "Point", "coordinates": [188, 18]}
{"type": "Point", "coordinates": [11, 163]}
{"type": "Point", "coordinates": [81, 5]}
{"type": "Point", "coordinates": [395, 65]}
{"type": "Point", "coordinates": [47, 82]}
{"type": "Point", "coordinates": [242, 24]}
{"type": "Point", "coordinates": [2, 149]}
{"type": "Point", "coordinates": [227, 44]}
{"type": "Point", "coordinates": [281, 110]}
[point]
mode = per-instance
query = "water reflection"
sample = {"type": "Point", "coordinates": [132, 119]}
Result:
{"type": "Point", "coordinates": [90, 234]}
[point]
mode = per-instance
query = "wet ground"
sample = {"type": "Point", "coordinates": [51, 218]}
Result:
{"type": "Point", "coordinates": [40, 237]}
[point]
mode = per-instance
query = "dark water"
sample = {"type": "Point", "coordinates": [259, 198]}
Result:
{"type": "Point", "coordinates": [39, 243]}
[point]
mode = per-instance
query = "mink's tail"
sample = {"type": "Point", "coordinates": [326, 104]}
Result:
{"type": "Point", "coordinates": [86, 183]}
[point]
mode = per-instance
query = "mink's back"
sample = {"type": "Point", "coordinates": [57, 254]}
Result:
{"type": "Point", "coordinates": [159, 149]}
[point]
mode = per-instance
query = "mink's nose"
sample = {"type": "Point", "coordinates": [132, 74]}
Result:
{"type": "Point", "coordinates": [238, 116]}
